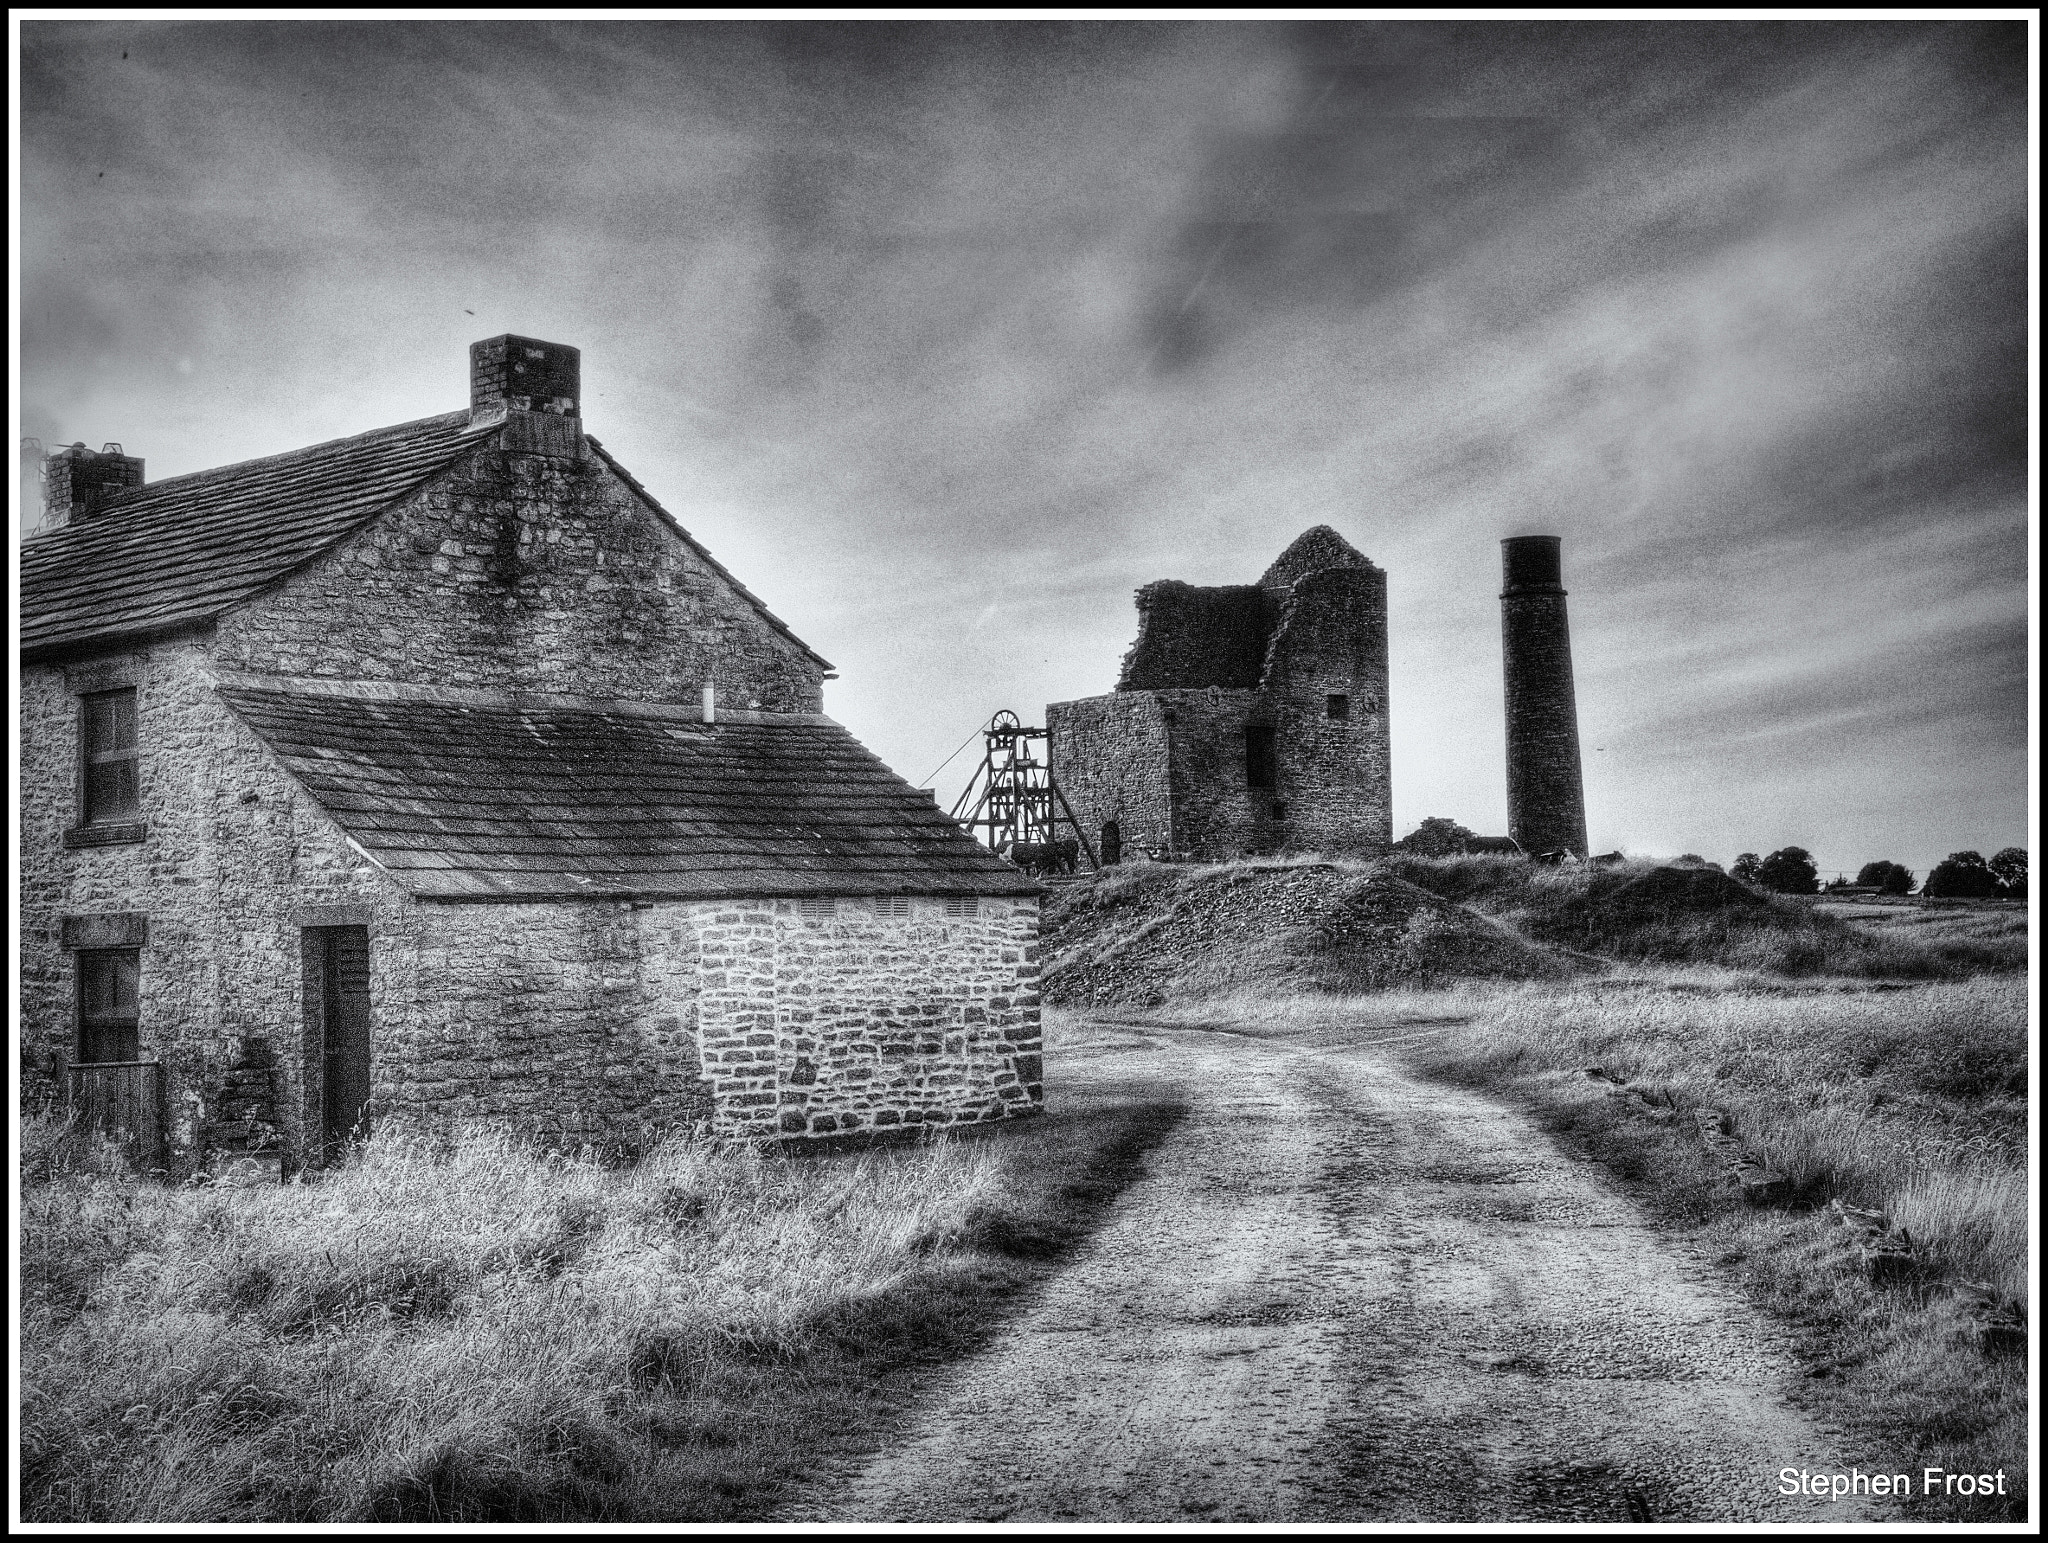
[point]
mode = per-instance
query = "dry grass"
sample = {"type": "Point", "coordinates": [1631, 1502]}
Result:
{"type": "Point", "coordinates": [1911, 1100]}
{"type": "Point", "coordinates": [1603, 911]}
{"type": "Point", "coordinates": [490, 1332]}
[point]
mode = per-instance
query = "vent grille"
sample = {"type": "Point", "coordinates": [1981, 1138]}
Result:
{"type": "Point", "coordinates": [814, 907]}
{"type": "Point", "coordinates": [892, 905]}
{"type": "Point", "coordinates": [962, 905]}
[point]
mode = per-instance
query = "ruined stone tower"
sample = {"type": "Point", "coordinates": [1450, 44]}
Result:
{"type": "Point", "coordinates": [1250, 718]}
{"type": "Point", "coordinates": [1546, 791]}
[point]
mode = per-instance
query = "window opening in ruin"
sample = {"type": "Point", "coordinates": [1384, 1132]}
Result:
{"type": "Point", "coordinates": [1260, 770]}
{"type": "Point", "coordinates": [1340, 705]}
{"type": "Point", "coordinates": [337, 984]}
{"type": "Point", "coordinates": [815, 906]}
{"type": "Point", "coordinates": [1112, 844]}
{"type": "Point", "coordinates": [1279, 811]}
{"type": "Point", "coordinates": [892, 905]}
{"type": "Point", "coordinates": [109, 1013]}
{"type": "Point", "coordinates": [962, 906]}
{"type": "Point", "coordinates": [110, 756]}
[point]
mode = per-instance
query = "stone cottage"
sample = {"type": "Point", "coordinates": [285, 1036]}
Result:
{"type": "Point", "coordinates": [436, 775]}
{"type": "Point", "coordinates": [1249, 719]}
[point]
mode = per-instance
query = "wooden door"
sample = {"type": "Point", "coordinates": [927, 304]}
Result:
{"type": "Point", "coordinates": [344, 985]}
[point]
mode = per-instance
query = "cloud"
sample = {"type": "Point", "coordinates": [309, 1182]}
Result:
{"type": "Point", "coordinates": [948, 336]}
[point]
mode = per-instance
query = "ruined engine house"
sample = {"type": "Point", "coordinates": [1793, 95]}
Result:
{"type": "Point", "coordinates": [1249, 718]}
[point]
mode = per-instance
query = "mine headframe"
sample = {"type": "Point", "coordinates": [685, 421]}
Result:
{"type": "Point", "coordinates": [1012, 805]}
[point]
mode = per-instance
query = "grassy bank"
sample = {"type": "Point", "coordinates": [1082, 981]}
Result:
{"type": "Point", "coordinates": [1640, 911]}
{"type": "Point", "coordinates": [494, 1333]}
{"type": "Point", "coordinates": [1910, 1100]}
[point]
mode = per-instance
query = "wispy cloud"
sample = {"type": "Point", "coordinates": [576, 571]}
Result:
{"type": "Point", "coordinates": [947, 336]}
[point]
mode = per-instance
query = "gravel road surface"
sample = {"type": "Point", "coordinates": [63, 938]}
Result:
{"type": "Point", "coordinates": [1344, 1294]}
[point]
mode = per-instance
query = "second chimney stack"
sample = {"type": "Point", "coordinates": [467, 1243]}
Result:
{"type": "Point", "coordinates": [76, 481]}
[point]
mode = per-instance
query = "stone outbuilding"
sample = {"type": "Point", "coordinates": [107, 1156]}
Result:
{"type": "Point", "coordinates": [1249, 719]}
{"type": "Point", "coordinates": [437, 775]}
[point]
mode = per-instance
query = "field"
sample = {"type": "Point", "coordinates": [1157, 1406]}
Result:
{"type": "Point", "coordinates": [487, 1332]}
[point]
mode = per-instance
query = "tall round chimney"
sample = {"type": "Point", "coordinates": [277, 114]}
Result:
{"type": "Point", "coordinates": [1546, 791]}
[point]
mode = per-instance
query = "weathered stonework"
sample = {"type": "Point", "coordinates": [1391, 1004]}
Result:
{"type": "Point", "coordinates": [232, 850]}
{"type": "Point", "coordinates": [1298, 660]}
{"type": "Point", "coordinates": [831, 1024]}
{"type": "Point", "coordinates": [539, 569]}
{"type": "Point", "coordinates": [526, 573]}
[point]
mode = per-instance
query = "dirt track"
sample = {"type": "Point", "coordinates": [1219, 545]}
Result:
{"type": "Point", "coordinates": [1344, 1294]}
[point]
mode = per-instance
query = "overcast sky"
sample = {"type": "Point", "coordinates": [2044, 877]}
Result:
{"type": "Point", "coordinates": [945, 337]}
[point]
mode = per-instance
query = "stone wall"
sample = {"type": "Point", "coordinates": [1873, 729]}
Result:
{"type": "Point", "coordinates": [573, 1022]}
{"type": "Point", "coordinates": [580, 1021]}
{"type": "Point", "coordinates": [1109, 756]}
{"type": "Point", "coordinates": [525, 573]}
{"type": "Point", "coordinates": [858, 1022]}
{"type": "Point", "coordinates": [231, 853]}
{"type": "Point", "coordinates": [1171, 758]}
{"type": "Point", "coordinates": [1216, 813]}
{"type": "Point", "coordinates": [1198, 636]}
{"type": "Point", "coordinates": [1336, 781]}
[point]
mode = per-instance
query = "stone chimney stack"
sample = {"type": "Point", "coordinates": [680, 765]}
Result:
{"type": "Point", "coordinates": [76, 481]}
{"type": "Point", "coordinates": [535, 389]}
{"type": "Point", "coordinates": [1546, 788]}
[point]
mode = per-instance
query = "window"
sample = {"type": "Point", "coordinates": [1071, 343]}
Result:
{"type": "Point", "coordinates": [1259, 768]}
{"type": "Point", "coordinates": [107, 1005]}
{"type": "Point", "coordinates": [892, 905]}
{"type": "Point", "coordinates": [1340, 705]}
{"type": "Point", "coordinates": [962, 906]}
{"type": "Point", "coordinates": [111, 790]}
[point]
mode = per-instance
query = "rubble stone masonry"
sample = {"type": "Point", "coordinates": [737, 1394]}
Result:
{"type": "Point", "coordinates": [601, 1020]}
{"type": "Point", "coordinates": [526, 573]}
{"type": "Point", "coordinates": [1167, 756]}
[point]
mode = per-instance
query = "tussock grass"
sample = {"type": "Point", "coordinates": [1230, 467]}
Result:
{"type": "Point", "coordinates": [1634, 912]}
{"type": "Point", "coordinates": [1913, 1101]}
{"type": "Point", "coordinates": [486, 1331]}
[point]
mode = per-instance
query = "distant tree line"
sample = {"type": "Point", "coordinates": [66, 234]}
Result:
{"type": "Point", "coordinates": [1792, 871]}
{"type": "Point", "coordinates": [1959, 876]}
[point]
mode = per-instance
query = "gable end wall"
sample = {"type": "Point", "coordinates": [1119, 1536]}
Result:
{"type": "Point", "coordinates": [524, 573]}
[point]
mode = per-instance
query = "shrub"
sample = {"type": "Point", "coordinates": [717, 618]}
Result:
{"type": "Point", "coordinates": [1962, 876]}
{"type": "Point", "coordinates": [1789, 871]}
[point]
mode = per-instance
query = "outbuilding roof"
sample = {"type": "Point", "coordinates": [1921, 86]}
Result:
{"type": "Point", "coordinates": [467, 797]}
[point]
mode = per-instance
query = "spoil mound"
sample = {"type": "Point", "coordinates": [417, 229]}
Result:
{"type": "Point", "coordinates": [1155, 933]}
{"type": "Point", "coordinates": [1663, 891]}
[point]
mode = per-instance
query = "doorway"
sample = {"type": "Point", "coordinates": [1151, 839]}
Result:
{"type": "Point", "coordinates": [337, 983]}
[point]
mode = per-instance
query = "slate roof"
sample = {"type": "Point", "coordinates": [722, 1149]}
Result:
{"type": "Point", "coordinates": [178, 552]}
{"type": "Point", "coordinates": [511, 802]}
